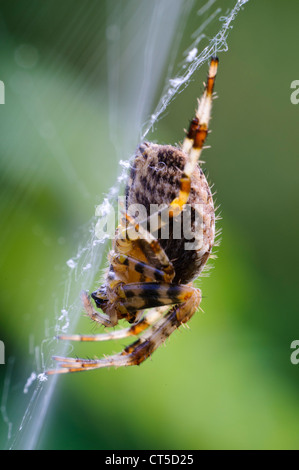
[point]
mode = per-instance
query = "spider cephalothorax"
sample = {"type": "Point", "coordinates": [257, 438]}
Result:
{"type": "Point", "coordinates": [153, 261]}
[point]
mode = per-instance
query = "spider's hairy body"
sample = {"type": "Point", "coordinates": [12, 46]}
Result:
{"type": "Point", "coordinates": [155, 179]}
{"type": "Point", "coordinates": [149, 281]}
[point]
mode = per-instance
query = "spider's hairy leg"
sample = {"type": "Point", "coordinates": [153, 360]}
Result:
{"type": "Point", "coordinates": [129, 265]}
{"type": "Point", "coordinates": [140, 350]}
{"type": "Point", "coordinates": [143, 295]}
{"type": "Point", "coordinates": [133, 297]}
{"type": "Point", "coordinates": [195, 139]}
{"type": "Point", "coordinates": [93, 314]}
{"type": "Point", "coordinates": [134, 236]}
{"type": "Point", "coordinates": [128, 271]}
{"type": "Point", "coordinates": [148, 319]}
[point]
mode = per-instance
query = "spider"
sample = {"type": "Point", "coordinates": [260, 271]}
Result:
{"type": "Point", "coordinates": [149, 281]}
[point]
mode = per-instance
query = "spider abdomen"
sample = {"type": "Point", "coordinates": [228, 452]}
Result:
{"type": "Point", "coordinates": [155, 180]}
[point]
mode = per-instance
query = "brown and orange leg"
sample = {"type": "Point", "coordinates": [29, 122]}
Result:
{"type": "Point", "coordinates": [195, 138]}
{"type": "Point", "coordinates": [135, 241]}
{"type": "Point", "coordinates": [141, 349]}
{"type": "Point", "coordinates": [148, 319]}
{"type": "Point", "coordinates": [144, 295]}
{"type": "Point", "coordinates": [159, 268]}
{"type": "Point", "coordinates": [100, 318]}
{"type": "Point", "coordinates": [192, 146]}
{"type": "Point", "coordinates": [133, 297]}
{"type": "Point", "coordinates": [120, 263]}
{"type": "Point", "coordinates": [133, 268]}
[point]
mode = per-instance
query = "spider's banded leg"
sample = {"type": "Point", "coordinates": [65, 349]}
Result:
{"type": "Point", "coordinates": [143, 295]}
{"type": "Point", "coordinates": [122, 262]}
{"type": "Point", "coordinates": [149, 319]}
{"type": "Point", "coordinates": [195, 139]}
{"type": "Point", "coordinates": [133, 297]}
{"type": "Point", "coordinates": [158, 333]}
{"type": "Point", "coordinates": [141, 349]}
{"type": "Point", "coordinates": [136, 235]}
{"type": "Point", "coordinates": [193, 145]}
{"type": "Point", "coordinates": [93, 314]}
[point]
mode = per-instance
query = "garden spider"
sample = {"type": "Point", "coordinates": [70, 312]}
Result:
{"type": "Point", "coordinates": [152, 272]}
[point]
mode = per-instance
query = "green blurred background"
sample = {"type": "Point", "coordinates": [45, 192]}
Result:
{"type": "Point", "coordinates": [228, 381]}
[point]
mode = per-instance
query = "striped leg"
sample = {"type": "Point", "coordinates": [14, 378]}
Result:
{"type": "Point", "coordinates": [122, 263]}
{"type": "Point", "coordinates": [193, 145]}
{"type": "Point", "coordinates": [143, 295]}
{"type": "Point", "coordinates": [101, 318]}
{"type": "Point", "coordinates": [141, 349]}
{"type": "Point", "coordinates": [195, 139]}
{"type": "Point", "coordinates": [134, 239]}
{"type": "Point", "coordinates": [129, 299]}
{"type": "Point", "coordinates": [149, 319]}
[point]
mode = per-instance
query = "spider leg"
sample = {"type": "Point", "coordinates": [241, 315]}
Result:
{"type": "Point", "coordinates": [144, 295]}
{"type": "Point", "coordinates": [93, 314]}
{"type": "Point", "coordinates": [141, 349]}
{"type": "Point", "coordinates": [135, 240]}
{"type": "Point", "coordinates": [133, 297]}
{"type": "Point", "coordinates": [149, 319]}
{"type": "Point", "coordinates": [193, 145]}
{"type": "Point", "coordinates": [195, 139]}
{"type": "Point", "coordinates": [126, 269]}
{"type": "Point", "coordinates": [124, 263]}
